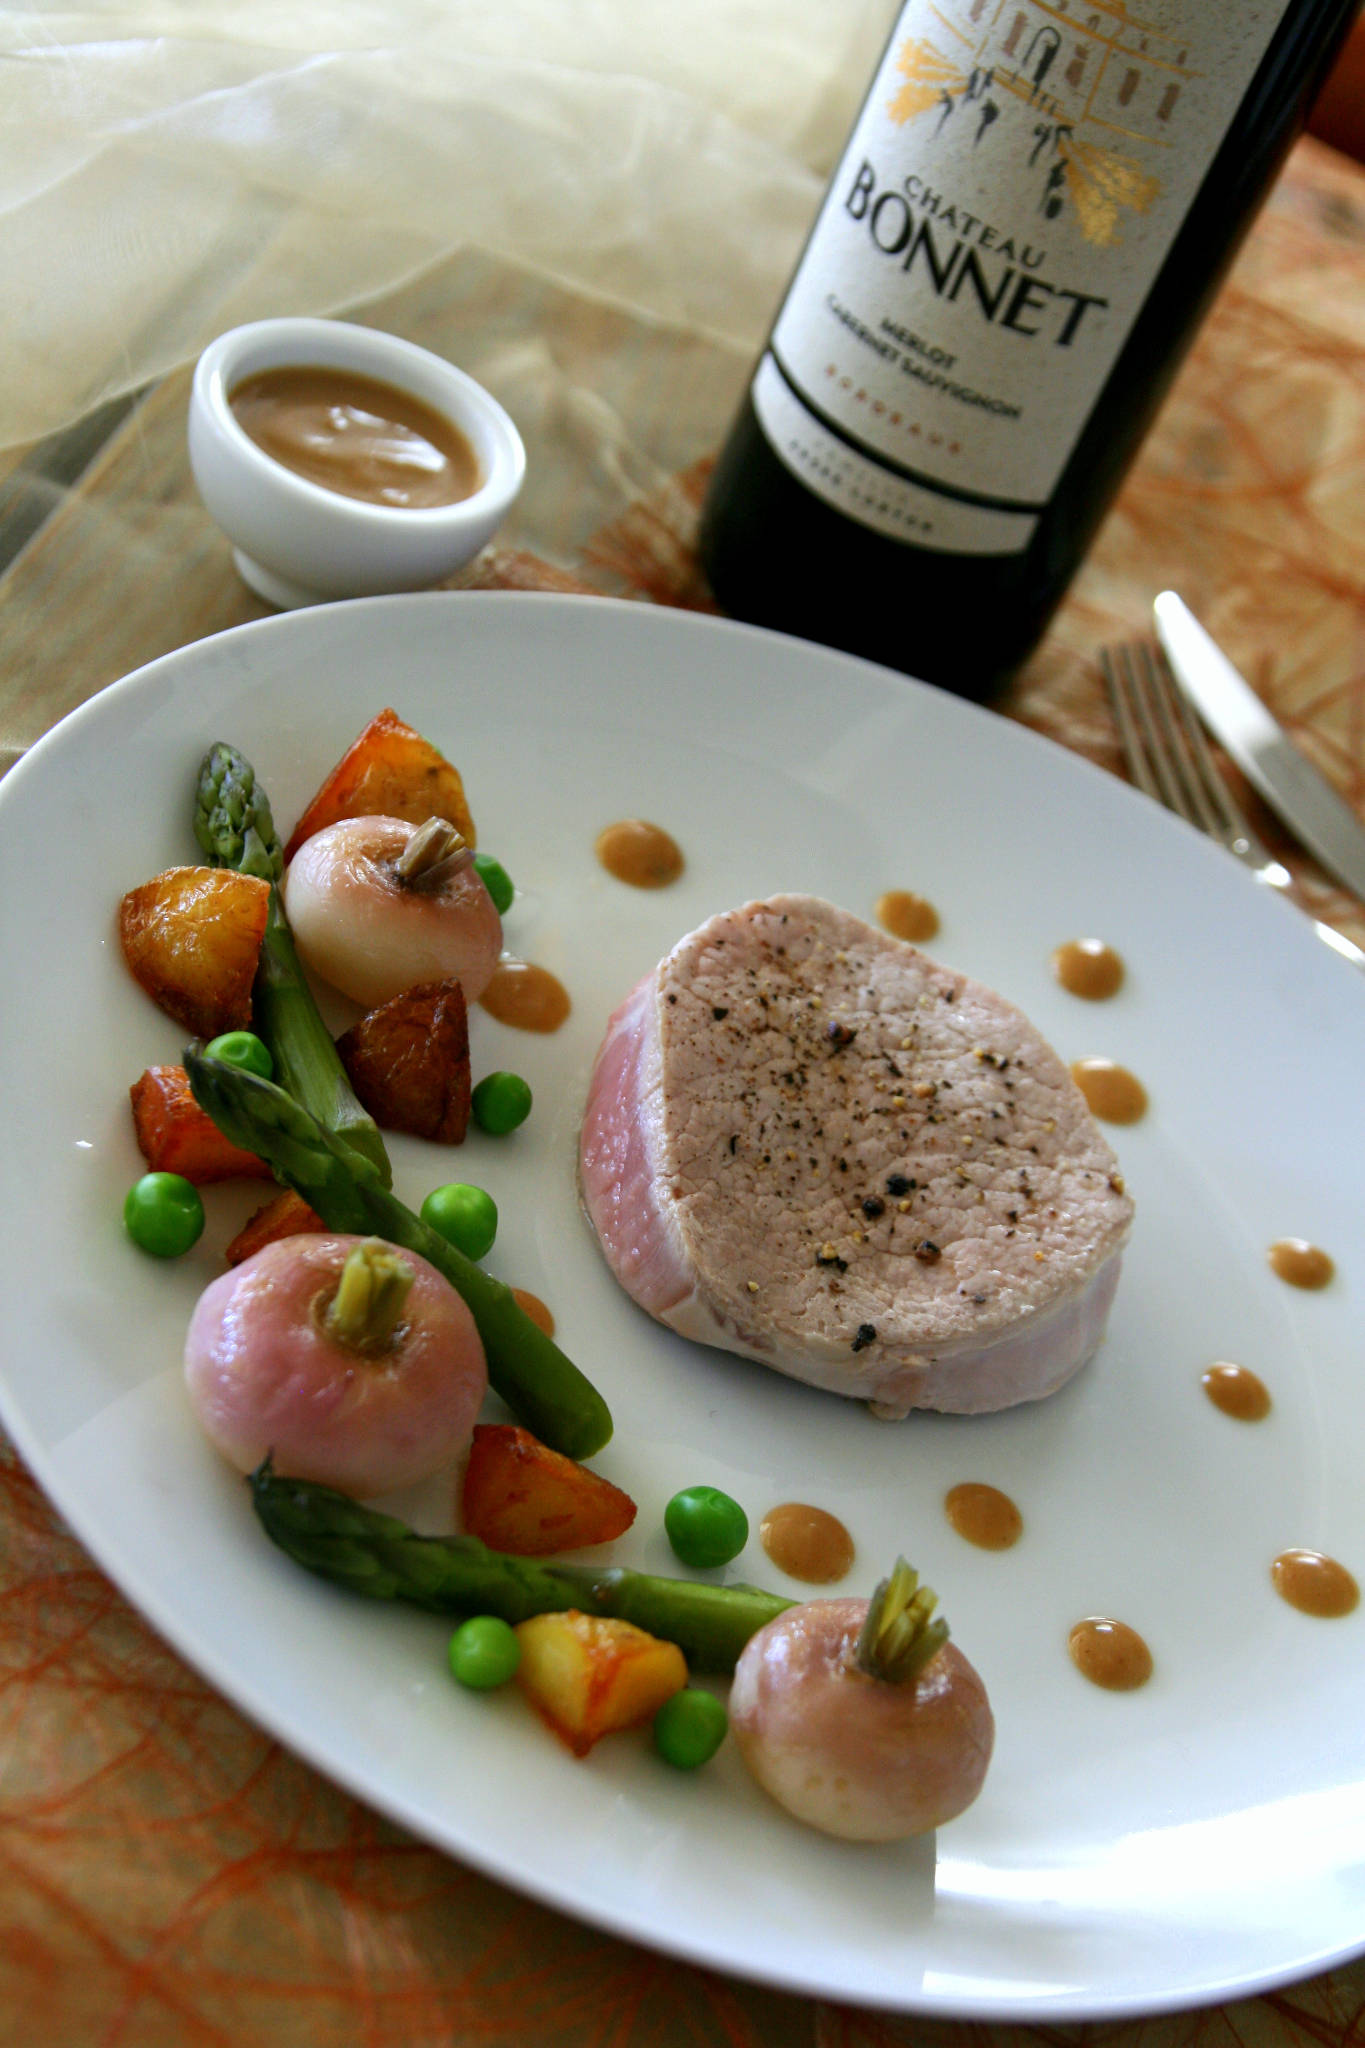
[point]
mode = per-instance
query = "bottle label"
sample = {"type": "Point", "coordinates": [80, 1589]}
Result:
{"type": "Point", "coordinates": [1014, 182]}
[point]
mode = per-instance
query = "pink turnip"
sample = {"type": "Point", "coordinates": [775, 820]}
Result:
{"type": "Point", "coordinates": [352, 1363]}
{"type": "Point", "coordinates": [860, 1718]}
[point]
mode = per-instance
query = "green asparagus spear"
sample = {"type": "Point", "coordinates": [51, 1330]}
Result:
{"type": "Point", "coordinates": [542, 1387]}
{"type": "Point", "coordinates": [232, 819]}
{"type": "Point", "coordinates": [381, 1557]}
{"type": "Point", "coordinates": [234, 828]}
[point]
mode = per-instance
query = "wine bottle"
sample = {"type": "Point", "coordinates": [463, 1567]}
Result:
{"type": "Point", "coordinates": [1034, 211]}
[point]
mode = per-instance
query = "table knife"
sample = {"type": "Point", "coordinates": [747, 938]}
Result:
{"type": "Point", "coordinates": [1240, 722]}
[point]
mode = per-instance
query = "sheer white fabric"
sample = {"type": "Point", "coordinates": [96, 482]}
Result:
{"type": "Point", "coordinates": [171, 169]}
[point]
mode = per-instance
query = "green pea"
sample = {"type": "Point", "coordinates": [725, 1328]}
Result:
{"type": "Point", "coordinates": [501, 1102]}
{"type": "Point", "coordinates": [705, 1526]}
{"type": "Point", "coordinates": [690, 1728]}
{"type": "Point", "coordinates": [465, 1216]}
{"type": "Point", "coordinates": [163, 1213]}
{"type": "Point", "coordinates": [484, 1652]}
{"type": "Point", "coordinates": [496, 880]}
{"type": "Point", "coordinates": [243, 1049]}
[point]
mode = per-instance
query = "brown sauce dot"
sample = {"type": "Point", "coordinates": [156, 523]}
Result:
{"type": "Point", "coordinates": [1109, 1653]}
{"type": "Point", "coordinates": [1236, 1391]}
{"type": "Point", "coordinates": [639, 853]}
{"type": "Point", "coordinates": [806, 1543]}
{"type": "Point", "coordinates": [529, 998]}
{"type": "Point", "coordinates": [907, 916]}
{"type": "Point", "coordinates": [1112, 1093]}
{"type": "Point", "coordinates": [1314, 1584]}
{"type": "Point", "coordinates": [983, 1515]}
{"type": "Point", "coordinates": [532, 1305]}
{"type": "Point", "coordinates": [1089, 968]}
{"type": "Point", "coordinates": [1300, 1263]}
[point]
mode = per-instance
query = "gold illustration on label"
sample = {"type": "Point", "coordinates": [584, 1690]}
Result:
{"type": "Point", "coordinates": [931, 81]}
{"type": "Point", "coordinates": [1017, 177]}
{"type": "Point", "coordinates": [1108, 84]}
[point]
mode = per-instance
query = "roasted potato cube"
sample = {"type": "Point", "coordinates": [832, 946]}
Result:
{"type": "Point", "coordinates": [285, 1215]}
{"type": "Point", "coordinates": [408, 1062]}
{"type": "Point", "coordinates": [522, 1497]}
{"type": "Point", "coordinates": [175, 1135]}
{"type": "Point", "coordinates": [191, 937]}
{"type": "Point", "coordinates": [588, 1675]}
{"type": "Point", "coordinates": [390, 771]}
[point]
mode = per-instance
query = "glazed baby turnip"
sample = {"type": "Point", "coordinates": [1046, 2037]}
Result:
{"type": "Point", "coordinates": [377, 906]}
{"type": "Point", "coordinates": [355, 1364]}
{"type": "Point", "coordinates": [860, 1717]}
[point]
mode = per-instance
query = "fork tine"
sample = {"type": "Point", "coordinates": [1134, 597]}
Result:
{"type": "Point", "coordinates": [1217, 811]}
{"type": "Point", "coordinates": [1167, 755]}
{"type": "Point", "coordinates": [1116, 666]}
{"type": "Point", "coordinates": [1169, 760]}
{"type": "Point", "coordinates": [1145, 731]}
{"type": "Point", "coordinates": [1228, 818]}
{"type": "Point", "coordinates": [1204, 802]}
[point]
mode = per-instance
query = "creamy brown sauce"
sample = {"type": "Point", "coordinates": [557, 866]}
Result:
{"type": "Point", "coordinates": [358, 436]}
{"type": "Point", "coordinates": [1314, 1584]}
{"type": "Point", "coordinates": [1300, 1263]}
{"type": "Point", "coordinates": [639, 853]}
{"type": "Point", "coordinates": [1109, 1653]}
{"type": "Point", "coordinates": [532, 1306]}
{"type": "Point", "coordinates": [1114, 1095]}
{"type": "Point", "coordinates": [1236, 1391]}
{"type": "Point", "coordinates": [527, 997]}
{"type": "Point", "coordinates": [983, 1515]}
{"type": "Point", "coordinates": [907, 916]}
{"type": "Point", "coordinates": [1089, 968]}
{"type": "Point", "coordinates": [806, 1543]}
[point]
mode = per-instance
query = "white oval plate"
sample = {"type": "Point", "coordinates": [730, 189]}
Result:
{"type": "Point", "coordinates": [1194, 1840]}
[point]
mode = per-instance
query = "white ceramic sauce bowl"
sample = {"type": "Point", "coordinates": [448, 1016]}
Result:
{"type": "Point", "coordinates": [297, 542]}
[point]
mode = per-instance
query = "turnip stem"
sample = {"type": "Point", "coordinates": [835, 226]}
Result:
{"type": "Point", "coordinates": [898, 1637]}
{"type": "Point", "coordinates": [367, 1308]}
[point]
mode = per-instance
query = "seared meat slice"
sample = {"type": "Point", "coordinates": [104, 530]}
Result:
{"type": "Point", "coordinates": [808, 1143]}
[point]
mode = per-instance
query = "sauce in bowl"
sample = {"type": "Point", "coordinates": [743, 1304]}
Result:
{"type": "Point", "coordinates": [358, 436]}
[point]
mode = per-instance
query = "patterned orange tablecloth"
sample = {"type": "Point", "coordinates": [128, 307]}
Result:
{"type": "Point", "coordinates": [169, 1877]}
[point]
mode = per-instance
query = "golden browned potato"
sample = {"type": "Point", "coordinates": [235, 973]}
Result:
{"type": "Point", "coordinates": [408, 1062]}
{"type": "Point", "coordinates": [191, 937]}
{"type": "Point", "coordinates": [390, 771]}
{"type": "Point", "coordinates": [175, 1135]}
{"type": "Point", "coordinates": [521, 1497]}
{"type": "Point", "coordinates": [589, 1675]}
{"type": "Point", "coordinates": [284, 1215]}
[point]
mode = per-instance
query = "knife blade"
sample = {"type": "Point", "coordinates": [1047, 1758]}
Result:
{"type": "Point", "coordinates": [1264, 752]}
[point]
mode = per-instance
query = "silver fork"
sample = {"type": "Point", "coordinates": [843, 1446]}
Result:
{"type": "Point", "coordinates": [1168, 758]}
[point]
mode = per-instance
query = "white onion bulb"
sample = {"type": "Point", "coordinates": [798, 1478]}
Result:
{"type": "Point", "coordinates": [362, 928]}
